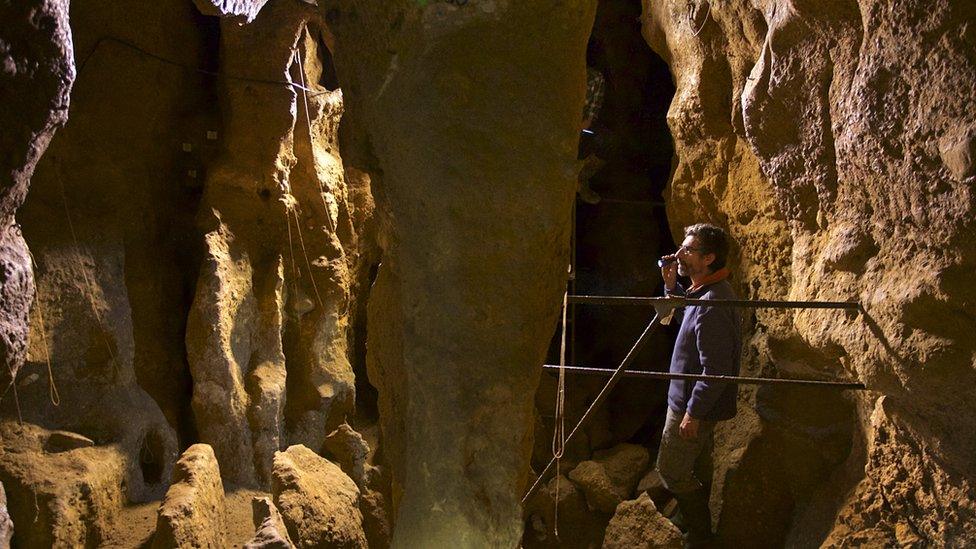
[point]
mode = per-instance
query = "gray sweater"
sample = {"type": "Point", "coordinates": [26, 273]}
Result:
{"type": "Point", "coordinates": [709, 341]}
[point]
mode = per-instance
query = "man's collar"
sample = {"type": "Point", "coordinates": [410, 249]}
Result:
{"type": "Point", "coordinates": [712, 278]}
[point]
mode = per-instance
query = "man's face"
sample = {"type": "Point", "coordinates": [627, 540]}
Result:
{"type": "Point", "coordinates": [692, 262]}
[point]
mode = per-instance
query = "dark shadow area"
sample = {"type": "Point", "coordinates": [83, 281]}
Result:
{"type": "Point", "coordinates": [620, 230]}
{"type": "Point", "coordinates": [619, 238]}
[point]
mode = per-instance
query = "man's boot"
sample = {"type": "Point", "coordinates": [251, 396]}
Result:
{"type": "Point", "coordinates": [696, 517]}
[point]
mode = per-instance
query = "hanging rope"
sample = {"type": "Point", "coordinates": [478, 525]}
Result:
{"type": "Point", "coordinates": [691, 18]}
{"type": "Point", "coordinates": [52, 389]}
{"type": "Point", "coordinates": [308, 263]}
{"type": "Point", "coordinates": [84, 273]}
{"type": "Point", "coordinates": [601, 396]}
{"type": "Point", "coordinates": [53, 393]}
{"type": "Point", "coordinates": [311, 142]}
{"type": "Point", "coordinates": [190, 68]}
{"type": "Point", "coordinates": [559, 429]}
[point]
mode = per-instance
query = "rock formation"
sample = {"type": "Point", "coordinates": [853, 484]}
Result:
{"type": "Point", "coordinates": [36, 75]}
{"type": "Point", "coordinates": [467, 116]}
{"type": "Point", "coordinates": [192, 513]}
{"type": "Point", "coordinates": [273, 292]}
{"type": "Point", "coordinates": [832, 141]}
{"type": "Point", "coordinates": [319, 503]}
{"type": "Point", "coordinates": [637, 523]}
{"type": "Point", "coordinates": [90, 344]}
{"type": "Point", "coordinates": [206, 253]}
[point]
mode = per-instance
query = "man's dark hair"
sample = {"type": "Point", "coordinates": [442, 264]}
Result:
{"type": "Point", "coordinates": [713, 240]}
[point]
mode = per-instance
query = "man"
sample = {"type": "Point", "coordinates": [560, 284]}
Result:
{"type": "Point", "coordinates": [708, 342]}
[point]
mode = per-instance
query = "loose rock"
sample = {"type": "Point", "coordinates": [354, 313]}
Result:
{"type": "Point", "coordinates": [192, 514]}
{"type": "Point", "coordinates": [350, 450]}
{"type": "Point", "coordinates": [624, 464]}
{"type": "Point", "coordinates": [637, 523]}
{"type": "Point", "coordinates": [592, 479]}
{"type": "Point", "coordinates": [319, 503]}
{"type": "Point", "coordinates": [271, 531]}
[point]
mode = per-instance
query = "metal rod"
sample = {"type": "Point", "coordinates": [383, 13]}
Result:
{"type": "Point", "coordinates": [741, 380]}
{"type": "Point", "coordinates": [678, 301]}
{"type": "Point", "coordinates": [600, 398]}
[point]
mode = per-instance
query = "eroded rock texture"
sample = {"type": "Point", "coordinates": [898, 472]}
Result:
{"type": "Point", "coordinates": [63, 489]}
{"type": "Point", "coordinates": [177, 191]}
{"type": "Point", "coordinates": [35, 80]}
{"type": "Point", "coordinates": [273, 294]}
{"type": "Point", "coordinates": [271, 532]}
{"type": "Point", "coordinates": [470, 113]}
{"type": "Point", "coordinates": [192, 513]}
{"type": "Point", "coordinates": [834, 142]}
{"type": "Point", "coordinates": [319, 503]}
{"type": "Point", "coordinates": [637, 523]}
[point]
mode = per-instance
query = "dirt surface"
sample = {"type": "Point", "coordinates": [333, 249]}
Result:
{"type": "Point", "coordinates": [135, 524]}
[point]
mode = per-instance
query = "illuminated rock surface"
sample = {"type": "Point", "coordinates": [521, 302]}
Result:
{"type": "Point", "coordinates": [209, 239]}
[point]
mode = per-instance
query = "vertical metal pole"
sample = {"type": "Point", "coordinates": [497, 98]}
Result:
{"type": "Point", "coordinates": [572, 284]}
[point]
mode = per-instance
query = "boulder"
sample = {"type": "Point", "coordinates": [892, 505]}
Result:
{"type": "Point", "coordinates": [578, 525]}
{"type": "Point", "coordinates": [271, 532]}
{"type": "Point", "coordinates": [192, 513]}
{"type": "Point", "coordinates": [637, 523]}
{"type": "Point", "coordinates": [43, 489]}
{"type": "Point", "coordinates": [319, 503]}
{"type": "Point", "coordinates": [350, 450]}
{"type": "Point", "coordinates": [601, 494]}
{"type": "Point", "coordinates": [958, 153]}
{"type": "Point", "coordinates": [624, 464]}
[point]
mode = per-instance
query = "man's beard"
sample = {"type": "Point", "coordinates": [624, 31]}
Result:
{"type": "Point", "coordinates": [682, 269]}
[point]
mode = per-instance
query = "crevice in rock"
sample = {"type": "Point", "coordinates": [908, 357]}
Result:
{"type": "Point", "coordinates": [621, 229]}
{"type": "Point", "coordinates": [151, 462]}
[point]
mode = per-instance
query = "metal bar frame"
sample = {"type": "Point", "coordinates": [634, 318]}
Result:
{"type": "Point", "coordinates": [679, 301]}
{"type": "Point", "coordinates": [661, 306]}
{"type": "Point", "coordinates": [741, 380]}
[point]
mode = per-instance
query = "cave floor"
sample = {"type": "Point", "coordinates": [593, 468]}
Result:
{"type": "Point", "coordinates": [135, 525]}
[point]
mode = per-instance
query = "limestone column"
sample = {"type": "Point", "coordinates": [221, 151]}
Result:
{"type": "Point", "coordinates": [467, 116]}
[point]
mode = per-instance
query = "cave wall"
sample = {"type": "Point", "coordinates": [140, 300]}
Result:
{"type": "Point", "coordinates": [268, 333]}
{"type": "Point", "coordinates": [37, 75]}
{"type": "Point", "coordinates": [835, 142]}
{"type": "Point", "coordinates": [197, 241]}
{"type": "Point", "coordinates": [197, 232]}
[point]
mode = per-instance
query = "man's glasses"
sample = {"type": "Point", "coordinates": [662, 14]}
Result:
{"type": "Point", "coordinates": [688, 249]}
